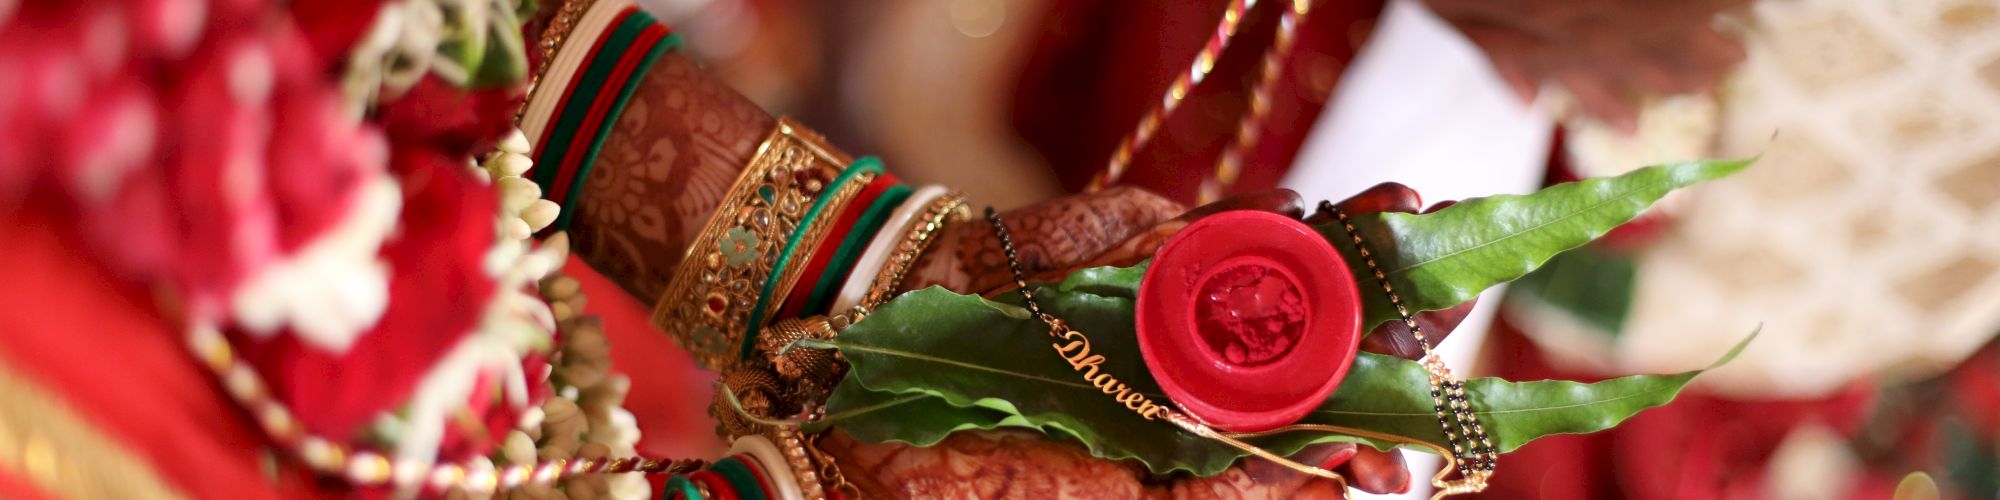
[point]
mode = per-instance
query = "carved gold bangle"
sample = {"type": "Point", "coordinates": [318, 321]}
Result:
{"type": "Point", "coordinates": [707, 306]}
{"type": "Point", "coordinates": [917, 236]}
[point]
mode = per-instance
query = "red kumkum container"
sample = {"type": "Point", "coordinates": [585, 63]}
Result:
{"type": "Point", "coordinates": [1248, 320]}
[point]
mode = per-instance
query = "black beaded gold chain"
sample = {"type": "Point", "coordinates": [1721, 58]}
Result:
{"type": "Point", "coordinates": [1460, 424]}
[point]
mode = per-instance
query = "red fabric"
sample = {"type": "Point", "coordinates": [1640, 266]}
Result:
{"type": "Point", "coordinates": [670, 394]}
{"type": "Point", "coordinates": [823, 256]}
{"type": "Point", "coordinates": [112, 357]}
{"type": "Point", "coordinates": [1098, 66]}
{"type": "Point", "coordinates": [19, 488]}
{"type": "Point", "coordinates": [607, 97]}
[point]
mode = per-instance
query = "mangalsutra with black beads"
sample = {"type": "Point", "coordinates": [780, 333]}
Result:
{"type": "Point", "coordinates": [1469, 444]}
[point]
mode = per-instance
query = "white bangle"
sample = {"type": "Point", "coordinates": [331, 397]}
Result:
{"type": "Point", "coordinates": [862, 276]}
{"type": "Point", "coordinates": [776, 469]}
{"type": "Point", "coordinates": [554, 84]}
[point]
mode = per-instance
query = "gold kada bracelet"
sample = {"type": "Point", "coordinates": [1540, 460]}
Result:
{"type": "Point", "coordinates": [707, 305]}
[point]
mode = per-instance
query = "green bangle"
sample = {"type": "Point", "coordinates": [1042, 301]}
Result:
{"type": "Point", "coordinates": [681, 484]}
{"type": "Point", "coordinates": [865, 165]}
{"type": "Point", "coordinates": [671, 42]}
{"type": "Point", "coordinates": [577, 105]}
{"type": "Point", "coordinates": [857, 240]}
{"type": "Point", "coordinates": [738, 475]}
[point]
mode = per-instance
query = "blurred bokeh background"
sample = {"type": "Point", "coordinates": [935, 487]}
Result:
{"type": "Point", "coordinates": [1865, 243]}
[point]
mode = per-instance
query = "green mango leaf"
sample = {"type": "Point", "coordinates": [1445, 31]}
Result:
{"type": "Point", "coordinates": [914, 418]}
{"type": "Point", "coordinates": [934, 362]}
{"type": "Point", "coordinates": [1442, 259]}
{"type": "Point", "coordinates": [1381, 399]}
{"type": "Point", "coordinates": [997, 358]}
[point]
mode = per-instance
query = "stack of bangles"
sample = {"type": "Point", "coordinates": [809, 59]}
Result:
{"type": "Point", "coordinates": [805, 241]}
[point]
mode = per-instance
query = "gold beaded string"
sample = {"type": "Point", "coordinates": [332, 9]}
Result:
{"type": "Point", "coordinates": [1183, 84]}
{"type": "Point", "coordinates": [1230, 165]}
{"type": "Point", "coordinates": [369, 468]}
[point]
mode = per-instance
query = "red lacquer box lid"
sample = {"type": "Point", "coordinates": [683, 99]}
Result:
{"type": "Point", "coordinates": [1248, 320]}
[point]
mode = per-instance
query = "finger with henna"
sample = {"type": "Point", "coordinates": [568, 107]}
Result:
{"type": "Point", "coordinates": [1048, 237]}
{"type": "Point", "coordinates": [1379, 472]}
{"type": "Point", "coordinates": [1142, 247]}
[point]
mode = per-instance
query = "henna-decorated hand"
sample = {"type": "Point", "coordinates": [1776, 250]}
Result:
{"type": "Point", "coordinates": [1114, 227]}
{"type": "Point", "coordinates": [1051, 238]}
{"type": "Point", "coordinates": [1025, 465]}
{"type": "Point", "coordinates": [683, 138]}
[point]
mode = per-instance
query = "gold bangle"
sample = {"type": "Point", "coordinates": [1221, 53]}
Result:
{"type": "Point", "coordinates": [792, 444]}
{"type": "Point", "coordinates": [916, 238]}
{"type": "Point", "coordinates": [707, 305]}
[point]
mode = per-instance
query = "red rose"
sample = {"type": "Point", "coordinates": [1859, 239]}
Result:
{"type": "Point", "coordinates": [437, 290]}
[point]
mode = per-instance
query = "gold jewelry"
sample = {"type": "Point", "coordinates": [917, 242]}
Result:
{"type": "Point", "coordinates": [556, 33]}
{"type": "Point", "coordinates": [916, 238]}
{"type": "Point", "coordinates": [707, 306]}
{"type": "Point", "coordinates": [793, 444]}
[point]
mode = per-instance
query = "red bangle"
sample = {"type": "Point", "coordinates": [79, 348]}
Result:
{"type": "Point", "coordinates": [795, 304]}
{"type": "Point", "coordinates": [718, 488]}
{"type": "Point", "coordinates": [587, 132]}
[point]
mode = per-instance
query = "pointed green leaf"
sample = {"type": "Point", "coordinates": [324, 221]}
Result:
{"type": "Point", "coordinates": [914, 418]}
{"type": "Point", "coordinates": [1444, 258]}
{"type": "Point", "coordinates": [1513, 413]}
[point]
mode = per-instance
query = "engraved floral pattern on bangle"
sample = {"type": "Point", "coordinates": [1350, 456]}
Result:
{"type": "Point", "coordinates": [707, 338]}
{"type": "Point", "coordinates": [739, 246]}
